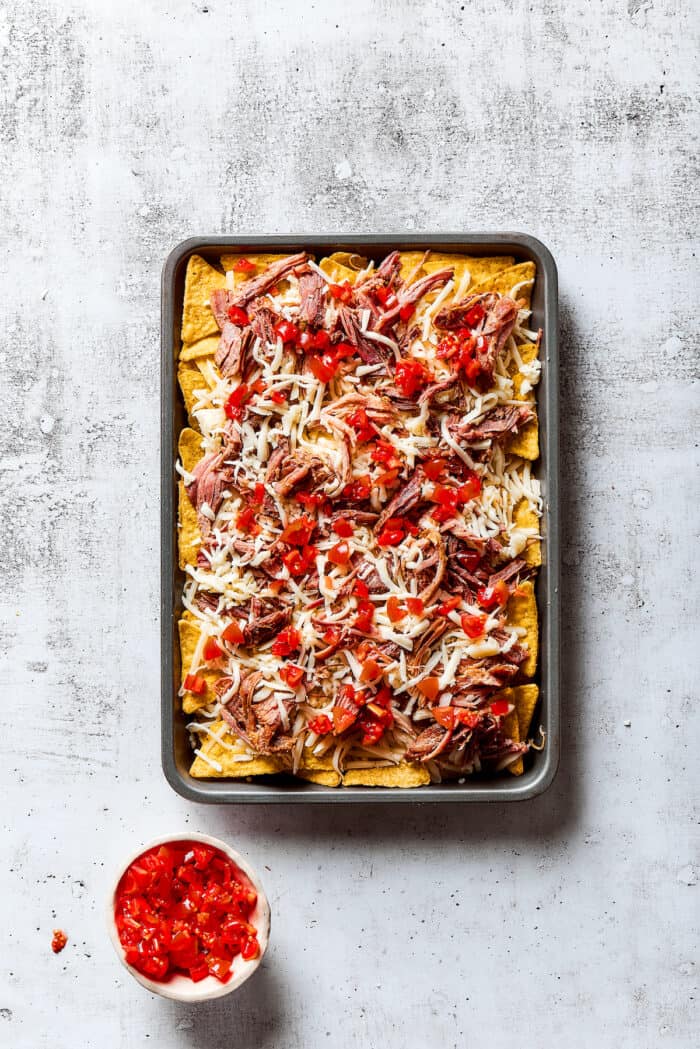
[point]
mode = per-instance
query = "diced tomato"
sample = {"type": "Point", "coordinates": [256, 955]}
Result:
{"type": "Point", "coordinates": [410, 376]}
{"type": "Point", "coordinates": [343, 528]}
{"type": "Point", "coordinates": [341, 292]}
{"type": "Point", "coordinates": [212, 650]}
{"type": "Point", "coordinates": [444, 716]}
{"type": "Point", "coordinates": [358, 490]}
{"type": "Point", "coordinates": [343, 719]}
{"type": "Point", "coordinates": [493, 596]}
{"type": "Point", "coordinates": [332, 635]}
{"type": "Point", "coordinates": [449, 605]}
{"type": "Point", "coordinates": [361, 424]}
{"type": "Point", "coordinates": [243, 266]}
{"type": "Point", "coordinates": [287, 331]}
{"type": "Point", "coordinates": [311, 500]}
{"type": "Point", "coordinates": [384, 452]}
{"type": "Point", "coordinates": [395, 610]}
{"type": "Point", "coordinates": [306, 341]}
{"type": "Point", "coordinates": [237, 316]}
{"type": "Point", "coordinates": [321, 340]}
{"type": "Point", "coordinates": [407, 311]}
{"type": "Point", "coordinates": [321, 725]}
{"type": "Point", "coordinates": [448, 348]}
{"type": "Point", "coordinates": [339, 554]}
{"type": "Point", "coordinates": [383, 294]}
{"type": "Point", "coordinates": [499, 707]}
{"type": "Point", "coordinates": [292, 674]}
{"type": "Point", "coordinates": [195, 683]}
{"type": "Point", "coordinates": [475, 315]}
{"type": "Point", "coordinates": [372, 733]}
{"type": "Point", "coordinates": [299, 531]}
{"type": "Point", "coordinates": [299, 562]}
{"type": "Point", "coordinates": [360, 589]}
{"type": "Point", "coordinates": [286, 642]}
{"type": "Point", "coordinates": [324, 367]}
{"type": "Point", "coordinates": [434, 466]}
{"type": "Point", "coordinates": [233, 634]}
{"type": "Point", "coordinates": [429, 687]}
{"type": "Point", "coordinates": [364, 617]}
{"type": "Point", "coordinates": [470, 489]}
{"type": "Point", "coordinates": [250, 948]}
{"type": "Point", "coordinates": [370, 670]}
{"type": "Point", "coordinates": [473, 626]}
{"type": "Point", "coordinates": [415, 606]}
{"type": "Point", "coordinates": [246, 520]}
{"type": "Point", "coordinates": [198, 972]}
{"type": "Point", "coordinates": [233, 407]}
{"type": "Point", "coordinates": [278, 396]}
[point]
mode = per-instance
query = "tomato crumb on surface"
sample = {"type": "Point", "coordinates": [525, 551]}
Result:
{"type": "Point", "coordinates": [185, 907]}
{"type": "Point", "coordinates": [59, 941]}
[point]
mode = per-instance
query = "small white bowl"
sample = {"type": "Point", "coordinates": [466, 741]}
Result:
{"type": "Point", "coordinates": [180, 987]}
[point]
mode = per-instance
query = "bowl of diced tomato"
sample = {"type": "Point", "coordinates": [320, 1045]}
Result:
{"type": "Point", "coordinates": [188, 917]}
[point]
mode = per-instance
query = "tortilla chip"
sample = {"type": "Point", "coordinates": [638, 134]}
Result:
{"type": "Point", "coordinates": [324, 778]}
{"type": "Point", "coordinates": [189, 537]}
{"type": "Point", "coordinates": [201, 280]}
{"type": "Point", "coordinates": [479, 269]}
{"type": "Point", "coordinates": [525, 698]}
{"type": "Point", "coordinates": [526, 443]}
{"type": "Point", "coordinates": [192, 351]}
{"type": "Point", "coordinates": [225, 757]}
{"type": "Point", "coordinates": [189, 446]}
{"type": "Point", "coordinates": [522, 612]}
{"type": "Point", "coordinates": [191, 379]}
{"type": "Point", "coordinates": [525, 517]}
{"type": "Point", "coordinates": [189, 631]}
{"type": "Point", "coordinates": [337, 270]}
{"type": "Point", "coordinates": [404, 774]}
{"type": "Point", "coordinates": [409, 264]}
{"type": "Point", "coordinates": [506, 280]}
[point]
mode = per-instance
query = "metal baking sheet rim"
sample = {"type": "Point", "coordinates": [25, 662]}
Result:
{"type": "Point", "coordinates": [176, 753]}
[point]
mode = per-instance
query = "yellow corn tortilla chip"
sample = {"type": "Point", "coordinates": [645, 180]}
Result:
{"type": "Point", "coordinates": [189, 631]}
{"type": "Point", "coordinates": [337, 270]}
{"type": "Point", "coordinates": [191, 379]}
{"type": "Point", "coordinates": [526, 443]}
{"type": "Point", "coordinates": [226, 759]}
{"type": "Point", "coordinates": [189, 537]}
{"type": "Point", "coordinates": [479, 269]}
{"type": "Point", "coordinates": [201, 280]}
{"type": "Point", "coordinates": [525, 517]}
{"type": "Point", "coordinates": [511, 727]}
{"type": "Point", "coordinates": [525, 698]}
{"type": "Point", "coordinates": [189, 446]}
{"type": "Point", "coordinates": [404, 774]}
{"type": "Point", "coordinates": [324, 778]}
{"type": "Point", "coordinates": [409, 264]}
{"type": "Point", "coordinates": [507, 279]}
{"type": "Point", "coordinates": [192, 351]}
{"type": "Point", "coordinates": [522, 612]}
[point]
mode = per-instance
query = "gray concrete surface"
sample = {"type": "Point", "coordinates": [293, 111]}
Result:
{"type": "Point", "coordinates": [127, 126]}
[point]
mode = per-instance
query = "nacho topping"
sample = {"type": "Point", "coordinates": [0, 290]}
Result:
{"type": "Point", "coordinates": [361, 516]}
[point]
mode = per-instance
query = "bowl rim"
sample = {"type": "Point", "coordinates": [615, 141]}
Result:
{"type": "Point", "coordinates": [179, 990]}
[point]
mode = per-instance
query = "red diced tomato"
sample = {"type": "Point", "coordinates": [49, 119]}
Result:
{"type": "Point", "coordinates": [493, 596]}
{"type": "Point", "coordinates": [429, 687]}
{"type": "Point", "coordinates": [365, 616]}
{"type": "Point", "coordinates": [411, 376]}
{"type": "Point", "coordinates": [444, 716]}
{"type": "Point", "coordinates": [449, 605]}
{"type": "Point", "coordinates": [434, 467]}
{"type": "Point", "coordinates": [233, 634]}
{"type": "Point", "coordinates": [407, 311]}
{"type": "Point", "coordinates": [415, 606]}
{"type": "Point", "coordinates": [292, 674]}
{"type": "Point", "coordinates": [475, 315]}
{"type": "Point", "coordinates": [360, 589]}
{"type": "Point", "coordinates": [324, 367]}
{"type": "Point", "coordinates": [343, 528]}
{"type": "Point", "coordinates": [299, 531]}
{"type": "Point", "coordinates": [473, 626]}
{"type": "Point", "coordinates": [286, 642]}
{"type": "Point", "coordinates": [358, 490]}
{"type": "Point", "coordinates": [395, 610]}
{"type": "Point", "coordinates": [499, 707]}
{"type": "Point", "coordinates": [278, 396]}
{"type": "Point", "coordinates": [237, 316]}
{"type": "Point", "coordinates": [195, 683]}
{"type": "Point", "coordinates": [250, 948]}
{"type": "Point", "coordinates": [243, 266]}
{"type": "Point", "coordinates": [212, 650]}
{"type": "Point", "coordinates": [361, 424]}
{"type": "Point", "coordinates": [339, 554]}
{"type": "Point", "coordinates": [370, 670]}
{"type": "Point", "coordinates": [321, 725]}
{"type": "Point", "coordinates": [286, 331]}
{"type": "Point", "coordinates": [341, 292]}
{"type": "Point", "coordinates": [470, 489]}
{"type": "Point", "coordinates": [342, 719]}
{"type": "Point", "coordinates": [321, 340]}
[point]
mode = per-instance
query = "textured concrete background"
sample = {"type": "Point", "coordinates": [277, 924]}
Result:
{"type": "Point", "coordinates": [129, 125]}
